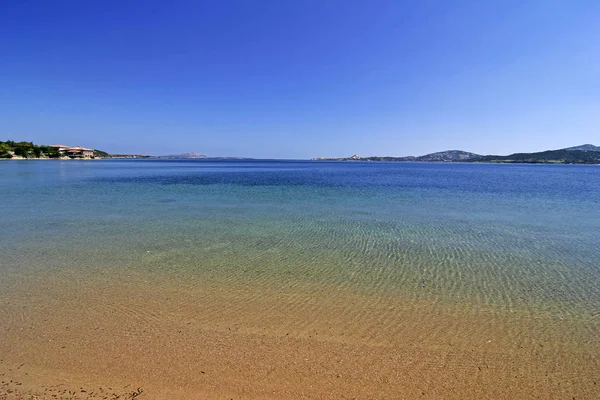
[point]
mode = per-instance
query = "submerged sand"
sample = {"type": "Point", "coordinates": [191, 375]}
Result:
{"type": "Point", "coordinates": [127, 335]}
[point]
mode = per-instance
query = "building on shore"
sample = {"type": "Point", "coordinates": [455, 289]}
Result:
{"type": "Point", "coordinates": [73, 152]}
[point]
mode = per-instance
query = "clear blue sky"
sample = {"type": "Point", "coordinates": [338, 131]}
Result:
{"type": "Point", "coordinates": [301, 78]}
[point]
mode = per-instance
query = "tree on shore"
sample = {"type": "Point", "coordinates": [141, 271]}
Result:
{"type": "Point", "coordinates": [26, 150]}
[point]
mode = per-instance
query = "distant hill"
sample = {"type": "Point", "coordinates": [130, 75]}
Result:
{"type": "Point", "coordinates": [448, 155]}
{"type": "Point", "coordinates": [356, 157]}
{"type": "Point", "coordinates": [584, 147]}
{"type": "Point", "coordinates": [445, 156]}
{"type": "Point", "coordinates": [584, 154]}
{"type": "Point", "coordinates": [563, 156]}
{"type": "Point", "coordinates": [185, 155]}
{"type": "Point", "coordinates": [202, 156]}
{"type": "Point", "coordinates": [128, 156]}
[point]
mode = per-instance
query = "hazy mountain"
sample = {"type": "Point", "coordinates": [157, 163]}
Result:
{"type": "Point", "coordinates": [185, 155]}
{"type": "Point", "coordinates": [584, 147]}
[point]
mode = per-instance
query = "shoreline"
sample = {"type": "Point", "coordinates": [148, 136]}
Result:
{"type": "Point", "coordinates": [205, 340]}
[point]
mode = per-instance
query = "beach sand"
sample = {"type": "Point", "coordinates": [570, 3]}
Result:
{"type": "Point", "coordinates": [127, 335]}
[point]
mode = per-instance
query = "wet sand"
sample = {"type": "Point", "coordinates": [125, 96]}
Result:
{"type": "Point", "coordinates": [133, 335]}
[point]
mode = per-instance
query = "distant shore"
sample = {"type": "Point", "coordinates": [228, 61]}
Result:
{"type": "Point", "coordinates": [584, 154]}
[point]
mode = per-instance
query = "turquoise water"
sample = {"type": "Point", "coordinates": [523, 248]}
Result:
{"type": "Point", "coordinates": [512, 236]}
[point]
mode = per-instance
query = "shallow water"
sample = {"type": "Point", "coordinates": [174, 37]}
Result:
{"type": "Point", "coordinates": [297, 247]}
{"type": "Point", "coordinates": [494, 234]}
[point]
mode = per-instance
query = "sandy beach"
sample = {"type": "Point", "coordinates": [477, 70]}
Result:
{"type": "Point", "coordinates": [124, 337]}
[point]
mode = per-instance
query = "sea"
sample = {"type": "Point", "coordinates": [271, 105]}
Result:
{"type": "Point", "coordinates": [362, 253]}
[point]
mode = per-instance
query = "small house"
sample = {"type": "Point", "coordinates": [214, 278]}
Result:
{"type": "Point", "coordinates": [80, 152]}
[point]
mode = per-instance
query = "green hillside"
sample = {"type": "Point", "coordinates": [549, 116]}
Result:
{"type": "Point", "coordinates": [25, 149]}
{"type": "Point", "coordinates": [10, 149]}
{"type": "Point", "coordinates": [545, 157]}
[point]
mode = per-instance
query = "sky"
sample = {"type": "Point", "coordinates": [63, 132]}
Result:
{"type": "Point", "coordinates": [301, 78]}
